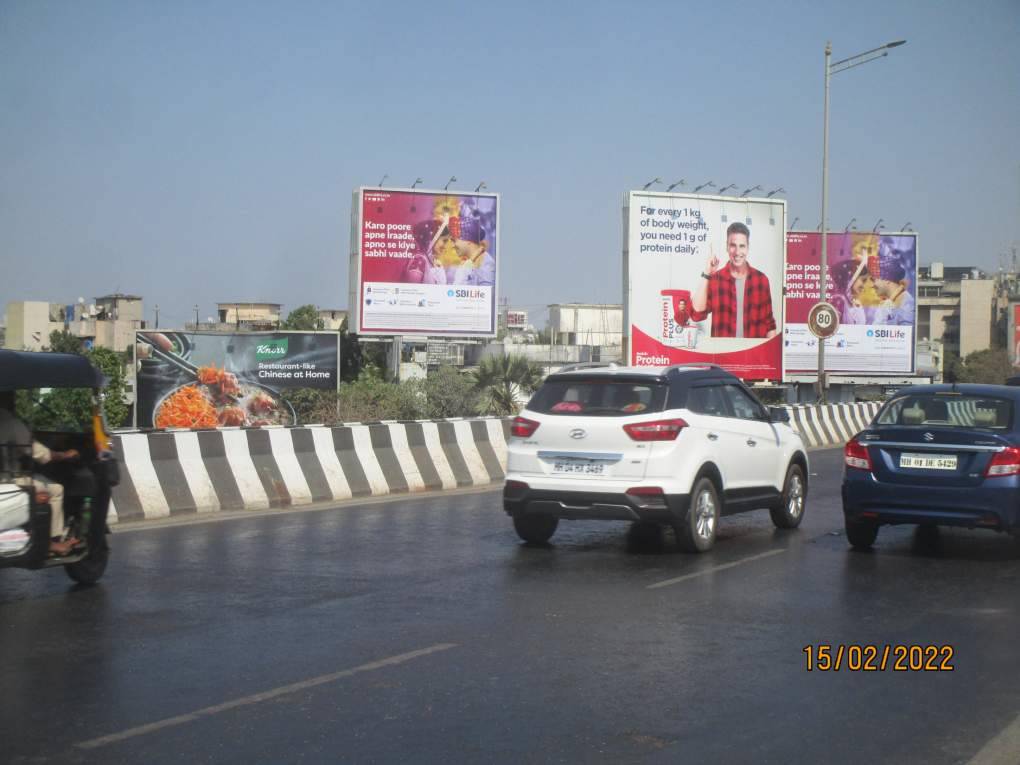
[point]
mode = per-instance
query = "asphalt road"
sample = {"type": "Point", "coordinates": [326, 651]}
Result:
{"type": "Point", "coordinates": [421, 630]}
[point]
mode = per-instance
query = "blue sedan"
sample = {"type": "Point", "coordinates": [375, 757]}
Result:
{"type": "Point", "coordinates": [939, 455]}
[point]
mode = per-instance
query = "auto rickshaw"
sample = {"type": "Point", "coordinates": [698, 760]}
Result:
{"type": "Point", "coordinates": [87, 481]}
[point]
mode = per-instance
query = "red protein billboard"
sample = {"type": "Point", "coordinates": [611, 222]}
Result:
{"type": "Point", "coordinates": [424, 262]}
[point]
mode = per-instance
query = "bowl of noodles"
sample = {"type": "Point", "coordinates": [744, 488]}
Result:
{"type": "Point", "coordinates": [218, 399]}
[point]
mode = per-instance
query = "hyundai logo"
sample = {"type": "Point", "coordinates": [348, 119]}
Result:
{"type": "Point", "coordinates": [577, 433]}
{"type": "Point", "coordinates": [929, 437]}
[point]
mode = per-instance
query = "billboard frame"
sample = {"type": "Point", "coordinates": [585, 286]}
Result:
{"type": "Point", "coordinates": [803, 375]}
{"type": "Point", "coordinates": [354, 265]}
{"type": "Point", "coordinates": [628, 198]}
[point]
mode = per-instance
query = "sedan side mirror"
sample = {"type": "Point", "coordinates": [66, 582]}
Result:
{"type": "Point", "coordinates": [779, 414]}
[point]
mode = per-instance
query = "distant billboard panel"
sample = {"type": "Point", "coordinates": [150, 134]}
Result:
{"type": "Point", "coordinates": [872, 283]}
{"type": "Point", "coordinates": [424, 263]}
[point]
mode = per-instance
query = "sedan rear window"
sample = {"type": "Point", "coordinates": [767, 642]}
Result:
{"type": "Point", "coordinates": [956, 411]}
{"type": "Point", "coordinates": [598, 398]}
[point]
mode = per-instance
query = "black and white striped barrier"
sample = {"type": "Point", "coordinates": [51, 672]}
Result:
{"type": "Point", "coordinates": [186, 472]}
{"type": "Point", "coordinates": [831, 424]}
{"type": "Point", "coordinates": [166, 473]}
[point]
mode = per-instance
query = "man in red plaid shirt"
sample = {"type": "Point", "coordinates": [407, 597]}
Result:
{"type": "Point", "coordinates": [737, 295]}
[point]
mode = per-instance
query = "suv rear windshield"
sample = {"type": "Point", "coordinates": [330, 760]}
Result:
{"type": "Point", "coordinates": [955, 411]}
{"type": "Point", "coordinates": [588, 397]}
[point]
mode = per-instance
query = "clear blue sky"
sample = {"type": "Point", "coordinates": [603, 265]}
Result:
{"type": "Point", "coordinates": [197, 152]}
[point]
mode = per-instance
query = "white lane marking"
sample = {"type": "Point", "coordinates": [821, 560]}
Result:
{"type": "Point", "coordinates": [1001, 750]}
{"type": "Point", "coordinates": [189, 453]}
{"type": "Point", "coordinates": [282, 445]}
{"type": "Point", "coordinates": [331, 466]}
{"type": "Point", "coordinates": [257, 698]}
{"type": "Point", "coordinates": [703, 572]}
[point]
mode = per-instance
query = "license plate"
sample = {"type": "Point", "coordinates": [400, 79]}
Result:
{"type": "Point", "coordinates": [583, 467]}
{"type": "Point", "coordinates": [928, 461]}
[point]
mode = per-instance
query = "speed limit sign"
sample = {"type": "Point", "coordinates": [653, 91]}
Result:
{"type": "Point", "coordinates": [823, 321]}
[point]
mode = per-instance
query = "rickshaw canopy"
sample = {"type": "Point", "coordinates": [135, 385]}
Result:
{"type": "Point", "coordinates": [21, 370]}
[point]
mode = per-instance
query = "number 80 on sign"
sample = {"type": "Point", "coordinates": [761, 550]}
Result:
{"type": "Point", "coordinates": [823, 320]}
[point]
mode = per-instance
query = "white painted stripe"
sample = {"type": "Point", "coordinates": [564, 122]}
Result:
{"type": "Point", "coordinates": [369, 462]}
{"type": "Point", "coordinates": [190, 457]}
{"type": "Point", "coordinates": [498, 441]}
{"type": "Point", "coordinates": [253, 494]}
{"type": "Point", "coordinates": [258, 698]}
{"type": "Point", "coordinates": [466, 442]}
{"type": "Point", "coordinates": [1001, 750]}
{"type": "Point", "coordinates": [398, 436]}
{"type": "Point", "coordinates": [326, 452]}
{"type": "Point", "coordinates": [829, 434]}
{"type": "Point", "coordinates": [435, 448]}
{"type": "Point", "coordinates": [713, 569]}
{"type": "Point", "coordinates": [111, 513]}
{"type": "Point", "coordinates": [138, 463]}
{"type": "Point", "coordinates": [282, 445]}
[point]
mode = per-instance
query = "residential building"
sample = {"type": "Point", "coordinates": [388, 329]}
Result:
{"type": "Point", "coordinates": [333, 318]}
{"type": "Point", "coordinates": [249, 316]}
{"type": "Point", "coordinates": [109, 322]}
{"type": "Point", "coordinates": [957, 306]}
{"type": "Point", "coordinates": [586, 324]}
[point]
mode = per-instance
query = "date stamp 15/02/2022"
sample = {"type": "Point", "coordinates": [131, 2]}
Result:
{"type": "Point", "coordinates": [853, 657]}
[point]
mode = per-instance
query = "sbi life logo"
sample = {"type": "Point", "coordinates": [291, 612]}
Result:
{"type": "Point", "coordinates": [465, 293]}
{"type": "Point", "coordinates": [889, 334]}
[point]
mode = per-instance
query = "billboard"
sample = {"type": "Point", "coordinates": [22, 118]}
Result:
{"type": "Point", "coordinates": [424, 263]}
{"type": "Point", "coordinates": [872, 283]}
{"type": "Point", "coordinates": [703, 278]}
{"type": "Point", "coordinates": [516, 319]}
{"type": "Point", "coordinates": [210, 379]}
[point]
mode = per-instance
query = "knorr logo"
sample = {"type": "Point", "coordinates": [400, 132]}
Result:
{"type": "Point", "coordinates": [271, 349]}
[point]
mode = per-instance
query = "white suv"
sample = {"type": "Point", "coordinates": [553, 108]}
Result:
{"type": "Point", "coordinates": [679, 445]}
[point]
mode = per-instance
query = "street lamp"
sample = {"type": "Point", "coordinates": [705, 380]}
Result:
{"type": "Point", "coordinates": [780, 190]}
{"type": "Point", "coordinates": [726, 188]}
{"type": "Point", "coordinates": [672, 186]}
{"type": "Point", "coordinates": [382, 181]}
{"type": "Point", "coordinates": [654, 180]}
{"type": "Point", "coordinates": [880, 224]}
{"type": "Point", "coordinates": [794, 224]}
{"type": "Point", "coordinates": [708, 185]}
{"type": "Point", "coordinates": [906, 226]}
{"type": "Point", "coordinates": [416, 182]}
{"type": "Point", "coordinates": [823, 273]}
{"type": "Point", "coordinates": [481, 186]}
{"type": "Point", "coordinates": [452, 179]}
{"type": "Point", "coordinates": [848, 225]}
{"type": "Point", "coordinates": [745, 192]}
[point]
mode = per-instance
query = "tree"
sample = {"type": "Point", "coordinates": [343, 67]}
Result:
{"type": "Point", "coordinates": [305, 317]}
{"type": "Point", "coordinates": [991, 366]}
{"type": "Point", "coordinates": [503, 381]}
{"type": "Point", "coordinates": [62, 341]}
{"type": "Point", "coordinates": [448, 393]}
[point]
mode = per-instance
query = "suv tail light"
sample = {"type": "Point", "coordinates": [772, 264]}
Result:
{"type": "Point", "coordinates": [855, 455]}
{"type": "Point", "coordinates": [659, 430]}
{"type": "Point", "coordinates": [1006, 462]}
{"type": "Point", "coordinates": [522, 427]}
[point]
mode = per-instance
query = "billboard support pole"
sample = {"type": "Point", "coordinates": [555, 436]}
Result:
{"type": "Point", "coordinates": [823, 265]}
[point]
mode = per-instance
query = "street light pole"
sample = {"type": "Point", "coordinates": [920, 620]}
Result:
{"type": "Point", "coordinates": [823, 271]}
